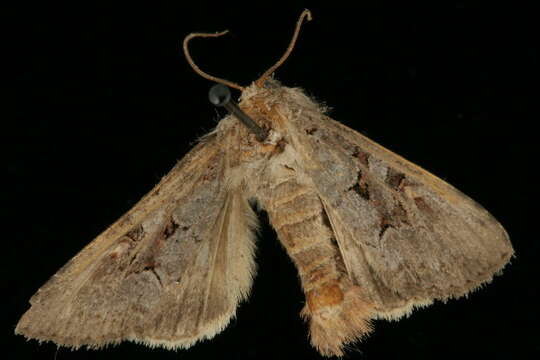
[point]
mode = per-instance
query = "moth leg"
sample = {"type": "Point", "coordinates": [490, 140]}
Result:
{"type": "Point", "coordinates": [337, 311]}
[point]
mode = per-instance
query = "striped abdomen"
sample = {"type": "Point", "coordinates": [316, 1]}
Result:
{"type": "Point", "coordinates": [336, 308]}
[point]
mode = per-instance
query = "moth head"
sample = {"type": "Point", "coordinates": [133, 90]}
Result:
{"type": "Point", "coordinates": [255, 98]}
{"type": "Point", "coordinates": [258, 111]}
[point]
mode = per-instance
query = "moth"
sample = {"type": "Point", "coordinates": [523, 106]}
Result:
{"type": "Point", "coordinates": [372, 235]}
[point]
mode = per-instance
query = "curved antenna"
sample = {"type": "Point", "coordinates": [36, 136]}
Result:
{"type": "Point", "coordinates": [197, 69]}
{"type": "Point", "coordinates": [262, 79]}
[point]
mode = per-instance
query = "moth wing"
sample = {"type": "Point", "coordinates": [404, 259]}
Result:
{"type": "Point", "coordinates": [406, 236]}
{"type": "Point", "coordinates": [169, 272]}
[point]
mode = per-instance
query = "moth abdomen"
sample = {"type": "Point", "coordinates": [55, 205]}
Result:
{"type": "Point", "coordinates": [337, 310]}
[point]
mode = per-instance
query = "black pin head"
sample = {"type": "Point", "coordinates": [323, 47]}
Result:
{"type": "Point", "coordinates": [219, 95]}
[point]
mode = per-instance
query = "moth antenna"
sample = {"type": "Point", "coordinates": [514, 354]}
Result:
{"type": "Point", "coordinates": [197, 69]}
{"type": "Point", "coordinates": [220, 95]}
{"type": "Point", "coordinates": [262, 79]}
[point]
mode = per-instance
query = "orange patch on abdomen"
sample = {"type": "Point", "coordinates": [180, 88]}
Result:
{"type": "Point", "coordinates": [327, 295]}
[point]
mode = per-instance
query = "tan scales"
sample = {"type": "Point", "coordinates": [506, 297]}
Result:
{"type": "Point", "coordinates": [371, 234]}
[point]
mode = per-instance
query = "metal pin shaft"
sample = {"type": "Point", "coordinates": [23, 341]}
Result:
{"type": "Point", "coordinates": [220, 95]}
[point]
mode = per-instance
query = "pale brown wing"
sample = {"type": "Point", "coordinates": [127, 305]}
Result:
{"type": "Point", "coordinates": [170, 272]}
{"type": "Point", "coordinates": [406, 236]}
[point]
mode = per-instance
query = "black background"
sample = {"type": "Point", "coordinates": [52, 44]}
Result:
{"type": "Point", "coordinates": [104, 104]}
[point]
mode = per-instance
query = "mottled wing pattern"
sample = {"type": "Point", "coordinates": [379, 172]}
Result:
{"type": "Point", "coordinates": [406, 236]}
{"type": "Point", "coordinates": [170, 272]}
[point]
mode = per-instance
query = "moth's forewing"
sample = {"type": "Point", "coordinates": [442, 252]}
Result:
{"type": "Point", "coordinates": [407, 236]}
{"type": "Point", "coordinates": [170, 272]}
